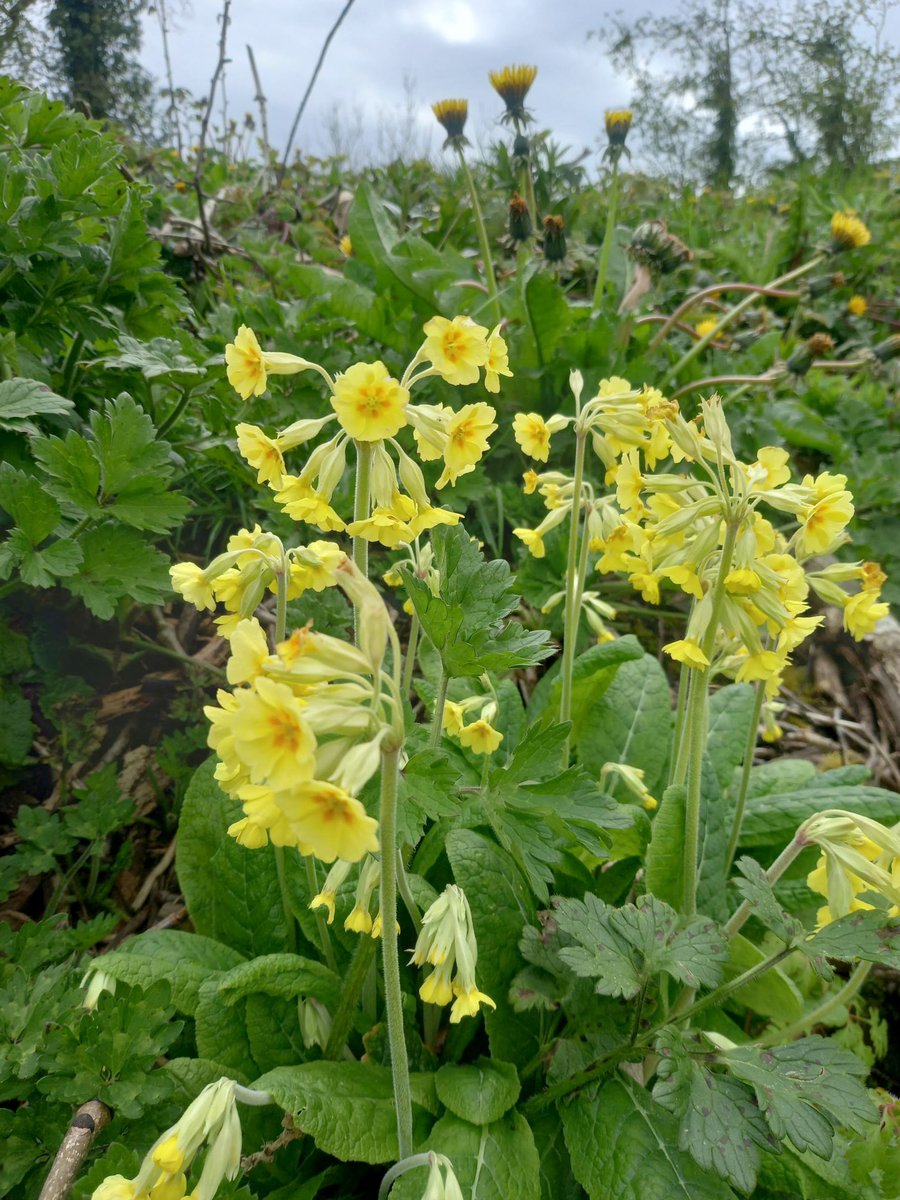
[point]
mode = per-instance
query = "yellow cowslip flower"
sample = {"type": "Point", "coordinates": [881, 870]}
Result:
{"type": "Point", "coordinates": [687, 651]}
{"type": "Point", "coordinates": [533, 540]}
{"type": "Point", "coordinates": [646, 581]}
{"type": "Point", "coordinates": [857, 306]}
{"type": "Point", "coordinates": [447, 941]}
{"type": "Point", "coordinates": [848, 232]}
{"type": "Point", "coordinates": [331, 822]}
{"type": "Point", "coordinates": [261, 452]}
{"type": "Point", "coordinates": [794, 631]}
{"type": "Point", "coordinates": [872, 576]}
{"type": "Point", "coordinates": [742, 581]}
{"type": "Point", "coordinates": [190, 581]}
{"type": "Point", "coordinates": [384, 526]}
{"type": "Point", "coordinates": [480, 737]}
{"type": "Point", "coordinates": [272, 737]}
{"type": "Point", "coordinates": [437, 988]}
{"type": "Point", "coordinates": [825, 519]}
{"type": "Point", "coordinates": [114, 1187]}
{"type": "Point", "coordinates": [617, 548]}
{"type": "Point", "coordinates": [456, 349]}
{"type": "Point", "coordinates": [531, 432]}
{"type": "Point", "coordinates": [467, 1002]}
{"type": "Point", "coordinates": [263, 811]}
{"type": "Point", "coordinates": [702, 328]}
{"type": "Point", "coordinates": [530, 480]}
{"type": "Point", "coordinates": [429, 517]}
{"type": "Point", "coordinates": [314, 568]}
{"type": "Point", "coordinates": [862, 613]}
{"type": "Point", "coordinates": [452, 115]}
{"type": "Point", "coordinates": [763, 665]}
{"type": "Point", "coordinates": [333, 880]}
{"type": "Point", "coordinates": [629, 482]}
{"type": "Point", "coordinates": [359, 920]}
{"type": "Point", "coordinates": [512, 85]}
{"type": "Point", "coordinates": [771, 468]}
{"type": "Point", "coordinates": [249, 651]}
{"type": "Point", "coordinates": [453, 720]}
{"type": "Point", "coordinates": [302, 502]}
{"type": "Point", "coordinates": [497, 362]}
{"type": "Point", "coordinates": [467, 440]}
{"type": "Point", "coordinates": [248, 834]}
{"type": "Point", "coordinates": [370, 404]}
{"type": "Point", "coordinates": [684, 576]}
{"type": "Point", "coordinates": [249, 366]}
{"type": "Point", "coordinates": [618, 122]}
{"type": "Point", "coordinates": [346, 246]}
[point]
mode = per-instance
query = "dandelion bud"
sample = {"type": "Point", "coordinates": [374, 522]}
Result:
{"type": "Point", "coordinates": [521, 146]}
{"type": "Point", "coordinates": [512, 85]}
{"type": "Point", "coordinates": [520, 227]}
{"type": "Point", "coordinates": [653, 246]}
{"type": "Point", "coordinates": [554, 238]}
{"type": "Point", "coordinates": [618, 122]}
{"type": "Point", "coordinates": [802, 358]}
{"type": "Point", "coordinates": [452, 114]}
{"type": "Point", "coordinates": [888, 349]}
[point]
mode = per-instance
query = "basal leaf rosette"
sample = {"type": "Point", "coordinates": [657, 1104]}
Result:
{"type": "Point", "coordinates": [370, 408]}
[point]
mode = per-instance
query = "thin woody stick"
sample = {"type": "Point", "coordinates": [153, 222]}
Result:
{"type": "Point", "coordinates": [86, 1124]}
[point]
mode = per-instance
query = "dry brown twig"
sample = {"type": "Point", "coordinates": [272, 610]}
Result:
{"type": "Point", "coordinates": [86, 1124]}
{"type": "Point", "coordinates": [204, 124]}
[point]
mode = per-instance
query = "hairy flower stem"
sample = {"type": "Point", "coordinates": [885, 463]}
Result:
{"type": "Point", "coordinates": [774, 873]}
{"type": "Point", "coordinates": [482, 239]}
{"type": "Point", "coordinates": [699, 346]}
{"type": "Point", "coordinates": [353, 980]}
{"type": "Point", "coordinates": [606, 249]}
{"type": "Point", "coordinates": [321, 924]}
{"type": "Point", "coordinates": [393, 996]}
{"type": "Point", "coordinates": [744, 786]}
{"type": "Point", "coordinates": [409, 662]}
{"type": "Point", "coordinates": [400, 1168]}
{"type": "Point", "coordinates": [361, 502]}
{"type": "Point", "coordinates": [816, 1016]}
{"type": "Point", "coordinates": [437, 719]}
{"type": "Point", "coordinates": [676, 755]}
{"type": "Point", "coordinates": [603, 1065]}
{"type": "Point", "coordinates": [570, 620]}
{"type": "Point", "coordinates": [696, 728]}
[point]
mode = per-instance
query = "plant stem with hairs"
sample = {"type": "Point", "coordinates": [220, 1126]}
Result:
{"type": "Point", "coordinates": [606, 249]}
{"type": "Point", "coordinates": [483, 243]}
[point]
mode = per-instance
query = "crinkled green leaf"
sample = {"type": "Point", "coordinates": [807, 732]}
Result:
{"type": "Point", "coordinates": [730, 711]}
{"type": "Point", "coordinates": [283, 975]}
{"type": "Point", "coordinates": [480, 1092]}
{"type": "Point", "coordinates": [31, 508]}
{"type": "Point", "coordinates": [24, 398]}
{"type": "Point", "coordinates": [624, 948]}
{"type": "Point", "coordinates": [154, 358]}
{"type": "Point", "coordinates": [118, 562]}
{"type": "Point", "coordinates": [871, 936]}
{"type": "Point", "coordinates": [185, 960]}
{"type": "Point", "coordinates": [772, 820]}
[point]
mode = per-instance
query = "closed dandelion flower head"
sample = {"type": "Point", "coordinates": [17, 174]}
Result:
{"type": "Point", "coordinates": [369, 402]}
{"type": "Point", "coordinates": [618, 122]}
{"type": "Point", "coordinates": [452, 115]}
{"type": "Point", "coordinates": [857, 306]}
{"type": "Point", "coordinates": [512, 85]}
{"type": "Point", "coordinates": [554, 238]}
{"type": "Point", "coordinates": [848, 232]}
{"type": "Point", "coordinates": [707, 325]}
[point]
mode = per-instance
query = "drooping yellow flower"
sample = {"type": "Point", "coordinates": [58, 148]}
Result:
{"type": "Point", "coordinates": [330, 821]}
{"type": "Point", "coordinates": [302, 502]}
{"type": "Point", "coordinates": [249, 651]}
{"type": "Point", "coordinates": [530, 481]}
{"type": "Point", "coordinates": [497, 363]}
{"type": "Point", "coordinates": [382, 525]}
{"type": "Point", "coordinates": [533, 540]}
{"type": "Point", "coordinates": [742, 581]}
{"type": "Point", "coordinates": [452, 115]}
{"type": "Point", "coordinates": [532, 434]}
{"type": "Point", "coordinates": [437, 988]}
{"type": "Point", "coordinates": [825, 519]}
{"type": "Point", "coordinates": [369, 402]}
{"type": "Point", "coordinates": [862, 613]}
{"type": "Point", "coordinates": [629, 481]}
{"type": "Point", "coordinates": [261, 452]}
{"type": "Point", "coordinates": [687, 651]}
{"type": "Point", "coordinates": [771, 468]}
{"type": "Point", "coordinates": [249, 366]}
{"type": "Point", "coordinates": [467, 440]}
{"type": "Point", "coordinates": [189, 580]}
{"type": "Point", "coordinates": [271, 735]}
{"type": "Point", "coordinates": [467, 1002]}
{"type": "Point", "coordinates": [848, 232]}
{"type": "Point", "coordinates": [763, 665]}
{"type": "Point", "coordinates": [457, 349]}
{"type": "Point", "coordinates": [453, 720]}
{"type": "Point", "coordinates": [333, 880]}
{"type": "Point", "coordinates": [480, 737]}
{"type": "Point", "coordinates": [858, 306]}
{"type": "Point", "coordinates": [684, 576]}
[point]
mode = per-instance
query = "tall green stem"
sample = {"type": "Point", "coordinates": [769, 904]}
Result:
{"type": "Point", "coordinates": [730, 315]}
{"type": "Point", "coordinates": [696, 726]}
{"type": "Point", "coordinates": [570, 627]}
{"type": "Point", "coordinates": [773, 874]}
{"type": "Point", "coordinates": [409, 662]}
{"type": "Point", "coordinates": [361, 502]}
{"type": "Point", "coordinates": [393, 997]}
{"type": "Point", "coordinates": [606, 249]}
{"type": "Point", "coordinates": [352, 985]}
{"type": "Point", "coordinates": [744, 785]}
{"type": "Point", "coordinates": [677, 756]}
{"type": "Point", "coordinates": [437, 718]}
{"type": "Point", "coordinates": [482, 239]}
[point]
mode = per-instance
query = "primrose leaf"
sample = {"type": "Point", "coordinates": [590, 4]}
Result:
{"type": "Point", "coordinates": [24, 398]}
{"type": "Point", "coordinates": [31, 508]}
{"type": "Point", "coordinates": [623, 948]}
{"type": "Point", "coordinates": [466, 621]}
{"type": "Point", "coordinates": [118, 562]}
{"type": "Point", "coordinates": [871, 936]}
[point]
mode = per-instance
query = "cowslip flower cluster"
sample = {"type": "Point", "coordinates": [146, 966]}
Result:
{"type": "Point", "coordinates": [359, 919]}
{"type": "Point", "coordinates": [442, 1183]}
{"type": "Point", "coordinates": [300, 732]}
{"type": "Point", "coordinates": [370, 408]}
{"type": "Point", "coordinates": [447, 943]}
{"type": "Point", "coordinates": [479, 735]}
{"type": "Point", "coordinates": [663, 529]}
{"type": "Point", "coordinates": [210, 1122]}
{"type": "Point", "coordinates": [859, 856]}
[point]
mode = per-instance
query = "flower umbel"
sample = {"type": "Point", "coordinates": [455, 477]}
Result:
{"type": "Point", "coordinates": [447, 943]}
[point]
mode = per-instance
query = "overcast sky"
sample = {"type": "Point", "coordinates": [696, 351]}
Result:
{"type": "Point", "coordinates": [442, 48]}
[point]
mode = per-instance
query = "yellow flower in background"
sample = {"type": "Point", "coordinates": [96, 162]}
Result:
{"type": "Point", "coordinates": [858, 306]}
{"type": "Point", "coordinates": [467, 440]}
{"type": "Point", "coordinates": [346, 246]}
{"type": "Point", "coordinates": [532, 434]}
{"type": "Point", "coordinates": [530, 481]}
{"type": "Point", "coordinates": [771, 468]}
{"type": "Point", "coordinates": [512, 85]}
{"type": "Point", "coordinates": [480, 737]}
{"type": "Point", "coordinates": [533, 541]}
{"type": "Point", "coordinates": [848, 232]}
{"type": "Point", "coordinates": [261, 452]}
{"type": "Point", "coordinates": [249, 651]}
{"type": "Point", "coordinates": [190, 581]}
{"type": "Point", "coordinates": [764, 665]}
{"type": "Point", "coordinates": [629, 481]}
{"type": "Point", "coordinates": [827, 517]}
{"type": "Point", "coordinates": [497, 362]}
{"type": "Point", "coordinates": [862, 613]}
{"type": "Point", "coordinates": [447, 941]}
{"type": "Point", "coordinates": [369, 403]}
{"type": "Point", "coordinates": [872, 576]}
{"type": "Point", "coordinates": [452, 115]}
{"type": "Point", "coordinates": [706, 326]}
{"type": "Point", "coordinates": [301, 501]}
{"type": "Point", "coordinates": [457, 349]}
{"type": "Point", "coordinates": [684, 576]}
{"type": "Point", "coordinates": [249, 366]}
{"type": "Point", "coordinates": [687, 651]}
{"type": "Point", "coordinates": [383, 526]}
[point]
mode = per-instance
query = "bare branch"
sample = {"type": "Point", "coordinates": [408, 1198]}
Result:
{"type": "Point", "coordinates": [86, 1124]}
